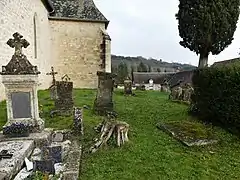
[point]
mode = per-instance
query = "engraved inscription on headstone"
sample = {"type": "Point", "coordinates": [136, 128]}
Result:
{"type": "Point", "coordinates": [21, 105]}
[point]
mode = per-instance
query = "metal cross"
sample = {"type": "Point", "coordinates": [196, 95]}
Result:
{"type": "Point", "coordinates": [53, 74]}
{"type": "Point", "coordinates": [18, 43]}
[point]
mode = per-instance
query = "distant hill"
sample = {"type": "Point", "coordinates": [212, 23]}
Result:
{"type": "Point", "coordinates": [153, 65]}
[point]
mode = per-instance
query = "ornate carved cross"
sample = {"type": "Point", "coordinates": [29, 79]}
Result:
{"type": "Point", "coordinates": [53, 74]}
{"type": "Point", "coordinates": [18, 43]}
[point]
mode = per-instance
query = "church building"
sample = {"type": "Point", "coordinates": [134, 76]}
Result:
{"type": "Point", "coordinates": [69, 35]}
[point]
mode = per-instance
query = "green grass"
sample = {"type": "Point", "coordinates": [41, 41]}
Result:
{"type": "Point", "coordinates": [151, 153]}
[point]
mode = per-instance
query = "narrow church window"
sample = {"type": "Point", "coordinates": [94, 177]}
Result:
{"type": "Point", "coordinates": [35, 34]}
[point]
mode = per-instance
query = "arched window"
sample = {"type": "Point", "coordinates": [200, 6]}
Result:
{"type": "Point", "coordinates": [35, 34]}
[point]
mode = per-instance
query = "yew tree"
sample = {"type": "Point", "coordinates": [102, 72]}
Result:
{"type": "Point", "coordinates": [207, 26]}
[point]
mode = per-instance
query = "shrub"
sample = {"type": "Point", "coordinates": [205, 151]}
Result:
{"type": "Point", "coordinates": [216, 97]}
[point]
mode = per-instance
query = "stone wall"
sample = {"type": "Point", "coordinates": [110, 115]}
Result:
{"type": "Point", "coordinates": [76, 50]}
{"type": "Point", "coordinates": [18, 16]}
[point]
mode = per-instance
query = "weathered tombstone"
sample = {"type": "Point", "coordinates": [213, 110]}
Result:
{"type": "Point", "coordinates": [187, 92]}
{"type": "Point", "coordinates": [103, 102]}
{"type": "Point", "coordinates": [20, 79]}
{"type": "Point", "coordinates": [165, 87]}
{"type": "Point", "coordinates": [55, 153]}
{"type": "Point", "coordinates": [53, 87]}
{"type": "Point", "coordinates": [64, 101]}
{"type": "Point", "coordinates": [128, 86]}
{"type": "Point", "coordinates": [150, 84]}
{"type": "Point", "coordinates": [57, 137]}
{"type": "Point", "coordinates": [176, 91]}
{"type": "Point", "coordinates": [78, 121]}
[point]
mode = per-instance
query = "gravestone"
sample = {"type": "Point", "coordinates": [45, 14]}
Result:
{"type": "Point", "coordinates": [128, 86]}
{"type": "Point", "coordinates": [57, 137]}
{"type": "Point", "coordinates": [53, 87]}
{"type": "Point", "coordinates": [103, 102]}
{"type": "Point", "coordinates": [45, 166]}
{"type": "Point", "coordinates": [150, 84]}
{"type": "Point", "coordinates": [64, 101]}
{"type": "Point", "coordinates": [78, 121]}
{"type": "Point", "coordinates": [55, 153]}
{"type": "Point", "coordinates": [165, 87]}
{"type": "Point", "coordinates": [187, 92]}
{"type": "Point", "coordinates": [20, 79]}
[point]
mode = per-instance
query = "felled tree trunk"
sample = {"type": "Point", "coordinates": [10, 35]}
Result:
{"type": "Point", "coordinates": [116, 129]}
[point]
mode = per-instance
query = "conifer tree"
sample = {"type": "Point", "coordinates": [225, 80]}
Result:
{"type": "Point", "coordinates": [207, 26]}
{"type": "Point", "coordinates": [122, 72]}
{"type": "Point", "coordinates": [142, 67]}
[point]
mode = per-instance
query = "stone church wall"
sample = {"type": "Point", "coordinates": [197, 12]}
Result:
{"type": "Point", "coordinates": [18, 16]}
{"type": "Point", "coordinates": [76, 50]}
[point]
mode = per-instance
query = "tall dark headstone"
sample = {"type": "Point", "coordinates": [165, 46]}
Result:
{"type": "Point", "coordinates": [64, 101]}
{"type": "Point", "coordinates": [103, 102]}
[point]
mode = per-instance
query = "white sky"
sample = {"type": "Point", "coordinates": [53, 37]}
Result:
{"type": "Point", "coordinates": [149, 29]}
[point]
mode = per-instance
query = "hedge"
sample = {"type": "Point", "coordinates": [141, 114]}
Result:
{"type": "Point", "coordinates": [216, 97]}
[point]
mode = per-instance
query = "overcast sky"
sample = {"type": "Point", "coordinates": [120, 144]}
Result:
{"type": "Point", "coordinates": [149, 29]}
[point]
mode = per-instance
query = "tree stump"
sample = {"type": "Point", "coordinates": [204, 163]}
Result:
{"type": "Point", "coordinates": [110, 128]}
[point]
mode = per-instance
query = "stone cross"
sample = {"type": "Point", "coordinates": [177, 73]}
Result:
{"type": "Point", "coordinates": [18, 43]}
{"type": "Point", "coordinates": [52, 73]}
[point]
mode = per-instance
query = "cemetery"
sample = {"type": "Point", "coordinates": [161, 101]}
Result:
{"type": "Point", "coordinates": [94, 124]}
{"type": "Point", "coordinates": [150, 152]}
{"type": "Point", "coordinates": [107, 133]}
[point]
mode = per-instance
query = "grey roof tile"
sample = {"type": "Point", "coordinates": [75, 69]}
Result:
{"type": "Point", "coordinates": [78, 10]}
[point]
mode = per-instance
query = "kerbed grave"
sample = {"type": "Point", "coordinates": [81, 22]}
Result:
{"type": "Point", "coordinates": [189, 133]}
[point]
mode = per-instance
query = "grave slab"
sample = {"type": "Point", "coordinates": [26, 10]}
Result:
{"type": "Point", "coordinates": [72, 162]}
{"type": "Point", "coordinates": [20, 150]}
{"type": "Point", "coordinates": [23, 174]}
{"type": "Point", "coordinates": [189, 134]}
{"type": "Point", "coordinates": [39, 138]}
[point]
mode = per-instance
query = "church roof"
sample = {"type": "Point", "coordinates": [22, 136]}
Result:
{"type": "Point", "coordinates": [85, 10]}
{"type": "Point", "coordinates": [183, 76]}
